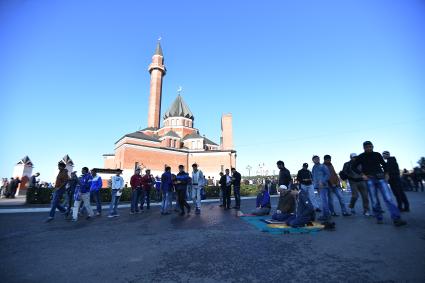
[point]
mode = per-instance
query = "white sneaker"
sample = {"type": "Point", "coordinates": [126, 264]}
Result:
{"type": "Point", "coordinates": [367, 214]}
{"type": "Point", "coordinates": [110, 216]}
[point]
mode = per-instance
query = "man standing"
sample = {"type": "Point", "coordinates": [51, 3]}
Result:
{"type": "Point", "coordinates": [95, 187]}
{"type": "Point", "coordinates": [395, 182]}
{"type": "Point", "coordinates": [147, 182]}
{"type": "Point", "coordinates": [136, 187]}
{"type": "Point", "coordinates": [182, 179]}
{"type": "Point", "coordinates": [321, 176]}
{"type": "Point", "coordinates": [166, 188]}
{"type": "Point", "coordinates": [116, 191]}
{"type": "Point", "coordinates": [357, 186]}
{"type": "Point", "coordinates": [334, 188]}
{"type": "Point", "coordinates": [197, 184]}
{"type": "Point", "coordinates": [70, 191]}
{"type": "Point", "coordinates": [305, 179]}
{"type": "Point", "coordinates": [60, 184]}
{"type": "Point", "coordinates": [82, 194]}
{"type": "Point", "coordinates": [374, 171]}
{"type": "Point", "coordinates": [284, 175]}
{"type": "Point", "coordinates": [236, 181]}
{"type": "Point", "coordinates": [225, 186]}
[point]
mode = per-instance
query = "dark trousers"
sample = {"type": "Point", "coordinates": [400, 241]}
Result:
{"type": "Point", "coordinates": [237, 194]}
{"type": "Point", "coordinates": [226, 196]}
{"type": "Point", "coordinates": [400, 196]}
{"type": "Point", "coordinates": [181, 197]}
{"type": "Point", "coordinates": [416, 181]}
{"type": "Point", "coordinates": [356, 189]}
{"type": "Point", "coordinates": [96, 198]}
{"type": "Point", "coordinates": [146, 194]}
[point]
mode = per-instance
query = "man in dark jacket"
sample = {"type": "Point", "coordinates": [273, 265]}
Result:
{"type": "Point", "coordinates": [305, 179]}
{"type": "Point", "coordinates": [182, 179]}
{"type": "Point", "coordinates": [236, 182]}
{"type": "Point", "coordinates": [304, 213]}
{"type": "Point", "coordinates": [225, 186]}
{"type": "Point", "coordinates": [395, 181]}
{"type": "Point", "coordinates": [286, 204]}
{"type": "Point", "coordinates": [373, 170]}
{"type": "Point", "coordinates": [357, 185]}
{"type": "Point", "coordinates": [284, 175]}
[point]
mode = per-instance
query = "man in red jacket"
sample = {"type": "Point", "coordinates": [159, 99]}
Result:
{"type": "Point", "coordinates": [136, 189]}
{"type": "Point", "coordinates": [147, 182]}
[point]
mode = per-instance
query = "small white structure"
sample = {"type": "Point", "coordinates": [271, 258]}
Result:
{"type": "Point", "coordinates": [23, 170]}
{"type": "Point", "coordinates": [69, 164]}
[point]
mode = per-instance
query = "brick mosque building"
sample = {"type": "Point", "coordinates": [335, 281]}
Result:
{"type": "Point", "coordinates": [176, 142]}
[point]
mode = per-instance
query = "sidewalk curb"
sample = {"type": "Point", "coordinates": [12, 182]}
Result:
{"type": "Point", "coordinates": [47, 209]}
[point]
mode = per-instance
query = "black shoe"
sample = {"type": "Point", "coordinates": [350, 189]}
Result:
{"type": "Point", "coordinates": [405, 210]}
{"type": "Point", "coordinates": [346, 214]}
{"type": "Point", "coordinates": [318, 210]}
{"type": "Point", "coordinates": [399, 222]}
{"type": "Point", "coordinates": [221, 205]}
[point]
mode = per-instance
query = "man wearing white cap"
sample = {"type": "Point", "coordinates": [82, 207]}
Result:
{"type": "Point", "coordinates": [357, 185]}
{"type": "Point", "coordinates": [286, 204]}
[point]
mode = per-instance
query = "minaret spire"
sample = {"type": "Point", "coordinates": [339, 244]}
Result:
{"type": "Point", "coordinates": [157, 71]}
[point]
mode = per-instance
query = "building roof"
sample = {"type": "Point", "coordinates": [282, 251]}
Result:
{"type": "Point", "coordinates": [67, 160]}
{"type": "Point", "coordinates": [149, 129]}
{"type": "Point", "coordinates": [158, 50]}
{"type": "Point", "coordinates": [141, 136]}
{"type": "Point", "coordinates": [193, 135]}
{"type": "Point", "coordinates": [208, 141]}
{"type": "Point", "coordinates": [171, 134]}
{"type": "Point", "coordinates": [26, 161]}
{"type": "Point", "coordinates": [179, 108]}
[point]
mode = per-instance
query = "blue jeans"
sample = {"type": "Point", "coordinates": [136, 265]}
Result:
{"type": "Point", "coordinates": [166, 200]}
{"type": "Point", "coordinates": [324, 196]}
{"type": "Point", "coordinates": [338, 192]}
{"type": "Point", "coordinates": [114, 203]}
{"type": "Point", "coordinates": [135, 195]}
{"type": "Point", "coordinates": [374, 185]}
{"type": "Point", "coordinates": [96, 198]}
{"type": "Point", "coordinates": [237, 193]}
{"type": "Point", "coordinates": [56, 202]}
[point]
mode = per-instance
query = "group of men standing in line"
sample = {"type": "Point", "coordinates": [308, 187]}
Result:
{"type": "Point", "coordinates": [368, 174]}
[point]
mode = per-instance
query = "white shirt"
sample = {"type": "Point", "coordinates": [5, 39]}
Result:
{"type": "Point", "coordinates": [117, 182]}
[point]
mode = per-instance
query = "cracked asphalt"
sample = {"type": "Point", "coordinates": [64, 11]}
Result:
{"type": "Point", "coordinates": [215, 246]}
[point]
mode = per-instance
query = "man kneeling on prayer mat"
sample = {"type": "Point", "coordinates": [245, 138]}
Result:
{"type": "Point", "coordinates": [263, 205]}
{"type": "Point", "coordinates": [286, 204]}
{"type": "Point", "coordinates": [304, 212]}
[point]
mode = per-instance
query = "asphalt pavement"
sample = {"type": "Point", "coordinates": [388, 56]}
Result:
{"type": "Point", "coordinates": [216, 246]}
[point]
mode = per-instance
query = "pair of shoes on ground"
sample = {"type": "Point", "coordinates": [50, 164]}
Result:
{"type": "Point", "coordinates": [113, 215]}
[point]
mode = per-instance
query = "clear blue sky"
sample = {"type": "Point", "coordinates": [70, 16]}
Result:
{"type": "Point", "coordinates": [300, 77]}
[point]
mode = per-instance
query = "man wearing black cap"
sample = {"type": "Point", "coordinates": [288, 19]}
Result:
{"type": "Point", "coordinates": [395, 181]}
{"type": "Point", "coordinates": [305, 179]}
{"type": "Point", "coordinates": [374, 171]}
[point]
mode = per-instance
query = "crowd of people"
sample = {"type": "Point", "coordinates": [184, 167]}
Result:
{"type": "Point", "coordinates": [311, 192]}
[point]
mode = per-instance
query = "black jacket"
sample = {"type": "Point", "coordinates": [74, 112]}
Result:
{"type": "Point", "coordinates": [372, 164]}
{"type": "Point", "coordinates": [236, 179]}
{"type": "Point", "coordinates": [304, 174]}
{"type": "Point", "coordinates": [392, 167]}
{"type": "Point", "coordinates": [284, 177]}
{"type": "Point", "coordinates": [352, 176]}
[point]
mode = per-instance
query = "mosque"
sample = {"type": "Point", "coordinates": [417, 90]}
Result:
{"type": "Point", "coordinates": [176, 142]}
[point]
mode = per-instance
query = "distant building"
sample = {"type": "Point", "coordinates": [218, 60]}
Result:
{"type": "Point", "coordinates": [176, 142]}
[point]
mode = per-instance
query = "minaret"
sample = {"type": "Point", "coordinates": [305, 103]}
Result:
{"type": "Point", "coordinates": [157, 71]}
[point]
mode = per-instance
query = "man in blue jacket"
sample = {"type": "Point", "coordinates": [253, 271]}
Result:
{"type": "Point", "coordinates": [182, 179]}
{"type": "Point", "coordinates": [263, 203]}
{"type": "Point", "coordinates": [304, 211]}
{"type": "Point", "coordinates": [166, 189]}
{"type": "Point", "coordinates": [82, 194]}
{"type": "Point", "coordinates": [96, 185]}
{"type": "Point", "coordinates": [321, 177]}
